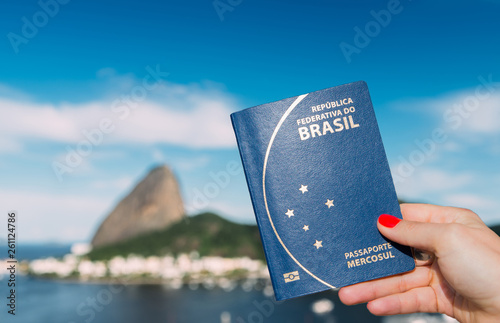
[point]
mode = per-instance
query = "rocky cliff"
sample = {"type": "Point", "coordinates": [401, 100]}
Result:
{"type": "Point", "coordinates": [154, 204]}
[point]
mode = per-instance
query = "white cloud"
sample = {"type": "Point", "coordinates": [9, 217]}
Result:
{"type": "Point", "coordinates": [425, 181]}
{"type": "Point", "coordinates": [193, 116]}
{"type": "Point", "coordinates": [120, 184]}
{"type": "Point", "coordinates": [9, 92]}
{"type": "Point", "coordinates": [188, 115]}
{"type": "Point", "coordinates": [485, 207]}
{"type": "Point", "coordinates": [471, 114]}
{"type": "Point", "coordinates": [206, 126]}
{"type": "Point", "coordinates": [190, 164]}
{"type": "Point", "coordinates": [55, 217]}
{"type": "Point", "coordinates": [106, 72]}
{"type": "Point", "coordinates": [459, 170]}
{"type": "Point", "coordinates": [463, 112]}
{"type": "Point", "coordinates": [432, 185]}
{"type": "Point", "coordinates": [473, 111]}
{"type": "Point", "coordinates": [471, 201]}
{"type": "Point", "coordinates": [10, 146]}
{"type": "Point", "coordinates": [452, 146]}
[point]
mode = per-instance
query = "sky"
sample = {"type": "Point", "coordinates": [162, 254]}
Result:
{"type": "Point", "coordinates": [95, 94]}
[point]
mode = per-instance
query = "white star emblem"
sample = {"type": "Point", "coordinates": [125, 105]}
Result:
{"type": "Point", "coordinates": [289, 213]}
{"type": "Point", "coordinates": [329, 203]}
{"type": "Point", "coordinates": [318, 244]}
{"type": "Point", "coordinates": [303, 188]}
{"type": "Point", "coordinates": [305, 228]}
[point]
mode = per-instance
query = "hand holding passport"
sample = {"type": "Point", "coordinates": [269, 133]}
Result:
{"type": "Point", "coordinates": [323, 196]}
{"type": "Point", "coordinates": [462, 280]}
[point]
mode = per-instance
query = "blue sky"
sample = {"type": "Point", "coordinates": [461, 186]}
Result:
{"type": "Point", "coordinates": [67, 70]}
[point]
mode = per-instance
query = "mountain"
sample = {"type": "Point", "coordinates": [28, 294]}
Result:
{"type": "Point", "coordinates": [154, 204]}
{"type": "Point", "coordinates": [207, 233]}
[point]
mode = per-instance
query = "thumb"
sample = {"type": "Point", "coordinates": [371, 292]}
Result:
{"type": "Point", "coordinates": [421, 235]}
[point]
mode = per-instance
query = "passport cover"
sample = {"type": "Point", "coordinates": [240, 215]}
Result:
{"type": "Point", "coordinates": [319, 178]}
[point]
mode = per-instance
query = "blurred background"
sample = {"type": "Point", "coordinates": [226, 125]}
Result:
{"type": "Point", "coordinates": [115, 124]}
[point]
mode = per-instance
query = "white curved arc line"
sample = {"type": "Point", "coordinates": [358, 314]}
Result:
{"type": "Point", "coordinates": [285, 115]}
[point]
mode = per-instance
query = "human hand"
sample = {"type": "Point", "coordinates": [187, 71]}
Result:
{"type": "Point", "coordinates": [462, 280]}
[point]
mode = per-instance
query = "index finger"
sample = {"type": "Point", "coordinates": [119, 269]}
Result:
{"type": "Point", "coordinates": [430, 213]}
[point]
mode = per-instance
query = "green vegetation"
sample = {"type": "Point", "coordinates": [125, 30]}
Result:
{"type": "Point", "coordinates": [207, 233]}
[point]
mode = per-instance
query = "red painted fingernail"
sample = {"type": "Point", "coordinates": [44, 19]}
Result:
{"type": "Point", "coordinates": [388, 221]}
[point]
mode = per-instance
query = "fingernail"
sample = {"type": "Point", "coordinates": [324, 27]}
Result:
{"type": "Point", "coordinates": [388, 221]}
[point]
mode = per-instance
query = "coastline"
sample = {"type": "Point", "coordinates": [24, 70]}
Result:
{"type": "Point", "coordinates": [173, 272]}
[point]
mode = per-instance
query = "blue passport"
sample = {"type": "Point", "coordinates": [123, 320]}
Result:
{"type": "Point", "coordinates": [319, 178]}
